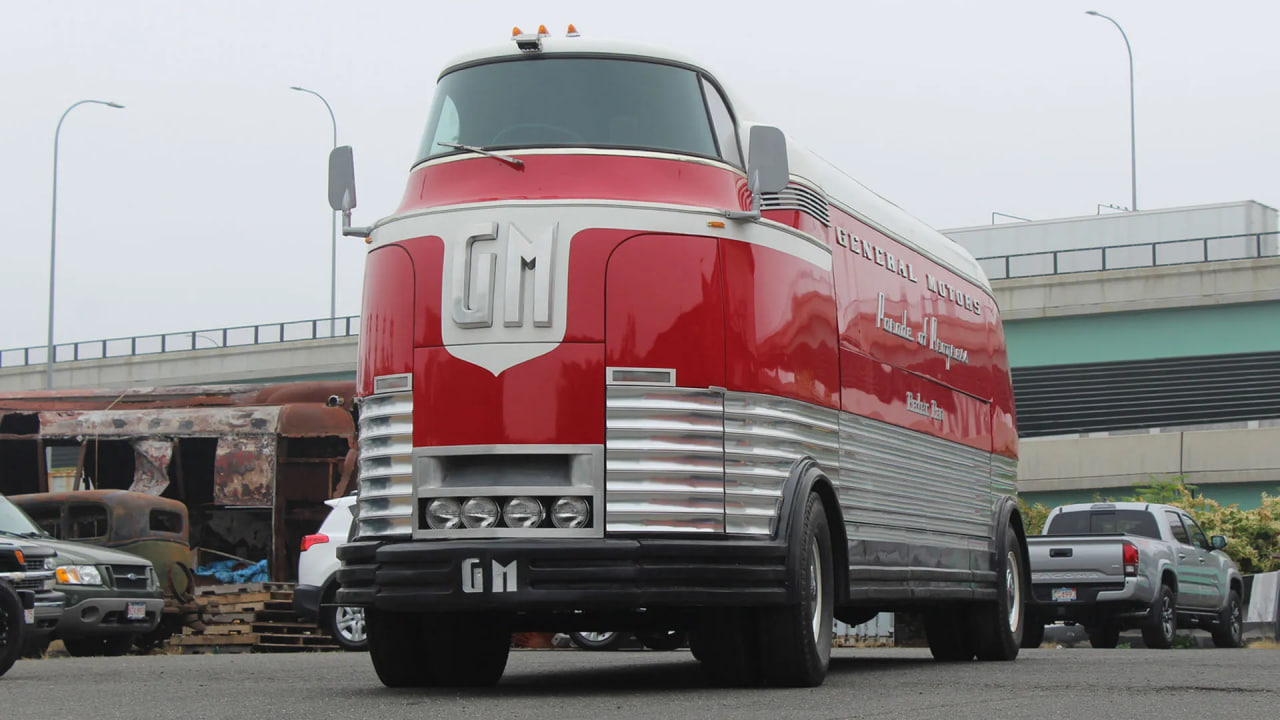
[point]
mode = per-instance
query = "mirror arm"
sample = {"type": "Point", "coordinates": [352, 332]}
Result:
{"type": "Point", "coordinates": [752, 214]}
{"type": "Point", "coordinates": [349, 231]}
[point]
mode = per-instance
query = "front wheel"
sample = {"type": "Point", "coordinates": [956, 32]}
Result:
{"type": "Point", "coordinates": [11, 627]}
{"type": "Point", "coordinates": [1162, 623]}
{"type": "Point", "coordinates": [796, 638]}
{"type": "Point", "coordinates": [1229, 631]}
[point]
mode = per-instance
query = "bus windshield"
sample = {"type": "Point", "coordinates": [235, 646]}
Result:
{"type": "Point", "coordinates": [573, 102]}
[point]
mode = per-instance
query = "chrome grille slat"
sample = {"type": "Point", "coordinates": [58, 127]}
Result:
{"type": "Point", "coordinates": [799, 197]}
{"type": "Point", "coordinates": [385, 505]}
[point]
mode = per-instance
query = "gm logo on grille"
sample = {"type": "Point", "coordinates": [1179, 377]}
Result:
{"type": "Point", "coordinates": [502, 577]}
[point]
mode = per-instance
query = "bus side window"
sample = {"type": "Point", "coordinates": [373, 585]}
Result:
{"type": "Point", "coordinates": [722, 122]}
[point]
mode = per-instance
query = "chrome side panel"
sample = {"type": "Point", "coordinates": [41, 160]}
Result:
{"type": "Point", "coordinates": [1004, 476]}
{"type": "Point", "coordinates": [664, 460]}
{"type": "Point", "coordinates": [385, 506]}
{"type": "Point", "coordinates": [899, 485]}
{"type": "Point", "coordinates": [763, 438]}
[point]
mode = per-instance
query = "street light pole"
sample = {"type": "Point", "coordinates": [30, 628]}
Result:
{"type": "Point", "coordinates": [333, 227]}
{"type": "Point", "coordinates": [53, 234]}
{"type": "Point", "coordinates": [1133, 131]}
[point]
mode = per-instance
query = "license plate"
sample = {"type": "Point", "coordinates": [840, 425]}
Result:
{"type": "Point", "coordinates": [1064, 594]}
{"type": "Point", "coordinates": [29, 616]}
{"type": "Point", "coordinates": [135, 611]}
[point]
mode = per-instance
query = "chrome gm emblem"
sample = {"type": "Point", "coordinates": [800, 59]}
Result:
{"type": "Point", "coordinates": [504, 289]}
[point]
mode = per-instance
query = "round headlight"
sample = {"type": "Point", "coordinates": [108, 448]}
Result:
{"type": "Point", "coordinates": [444, 514]}
{"type": "Point", "coordinates": [480, 512]}
{"type": "Point", "coordinates": [523, 512]}
{"type": "Point", "coordinates": [571, 512]}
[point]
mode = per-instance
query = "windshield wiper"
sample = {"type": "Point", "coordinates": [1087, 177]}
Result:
{"type": "Point", "coordinates": [513, 161]}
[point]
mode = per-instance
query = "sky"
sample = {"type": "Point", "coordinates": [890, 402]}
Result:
{"type": "Point", "coordinates": [202, 204]}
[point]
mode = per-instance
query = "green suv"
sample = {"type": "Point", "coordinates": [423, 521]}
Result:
{"type": "Point", "coordinates": [112, 596]}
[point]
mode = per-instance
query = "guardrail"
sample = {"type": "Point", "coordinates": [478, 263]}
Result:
{"type": "Point", "coordinates": [1136, 255]}
{"type": "Point", "coordinates": [216, 338]}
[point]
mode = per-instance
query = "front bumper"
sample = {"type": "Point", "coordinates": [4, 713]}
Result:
{"type": "Point", "coordinates": [107, 616]}
{"type": "Point", "coordinates": [524, 575]}
{"type": "Point", "coordinates": [306, 601]}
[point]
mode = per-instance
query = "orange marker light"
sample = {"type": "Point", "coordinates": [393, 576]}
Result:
{"type": "Point", "coordinates": [572, 32]}
{"type": "Point", "coordinates": [542, 31]}
{"type": "Point", "coordinates": [715, 224]}
{"type": "Point", "coordinates": [515, 31]}
{"type": "Point", "coordinates": [21, 558]}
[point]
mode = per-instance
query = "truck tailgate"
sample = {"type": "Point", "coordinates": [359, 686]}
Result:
{"type": "Point", "coordinates": [1076, 559]}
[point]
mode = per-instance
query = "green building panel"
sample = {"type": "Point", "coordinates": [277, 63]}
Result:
{"type": "Point", "coordinates": [1146, 335]}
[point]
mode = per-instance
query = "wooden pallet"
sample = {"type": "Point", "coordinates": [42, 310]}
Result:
{"type": "Point", "coordinates": [255, 617]}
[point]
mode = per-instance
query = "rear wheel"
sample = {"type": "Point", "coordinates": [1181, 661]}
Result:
{"type": "Point", "coordinates": [949, 635]}
{"type": "Point", "coordinates": [1162, 622]}
{"type": "Point", "coordinates": [1229, 631]}
{"type": "Point", "coordinates": [11, 627]}
{"type": "Point", "coordinates": [797, 638]}
{"type": "Point", "coordinates": [597, 640]}
{"type": "Point", "coordinates": [1104, 636]}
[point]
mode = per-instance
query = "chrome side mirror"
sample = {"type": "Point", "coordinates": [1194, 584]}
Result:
{"type": "Point", "coordinates": [767, 168]}
{"type": "Point", "coordinates": [342, 188]}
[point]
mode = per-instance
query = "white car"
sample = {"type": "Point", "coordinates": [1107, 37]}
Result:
{"type": "Point", "coordinates": [318, 578]}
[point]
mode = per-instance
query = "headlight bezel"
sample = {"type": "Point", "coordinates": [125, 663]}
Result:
{"type": "Point", "coordinates": [77, 574]}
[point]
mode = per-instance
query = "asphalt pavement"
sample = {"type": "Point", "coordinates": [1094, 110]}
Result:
{"type": "Point", "coordinates": [1043, 684]}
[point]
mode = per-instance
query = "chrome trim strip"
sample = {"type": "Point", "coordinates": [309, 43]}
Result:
{"type": "Point", "coordinates": [1004, 476]}
{"type": "Point", "coordinates": [380, 383]}
{"type": "Point", "coordinates": [640, 376]}
{"type": "Point", "coordinates": [664, 460]}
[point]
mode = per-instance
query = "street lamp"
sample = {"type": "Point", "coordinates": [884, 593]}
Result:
{"type": "Point", "coordinates": [333, 226]}
{"type": "Point", "coordinates": [53, 233]}
{"type": "Point", "coordinates": [1133, 132]}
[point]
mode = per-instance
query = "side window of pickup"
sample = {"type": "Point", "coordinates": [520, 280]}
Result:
{"type": "Point", "coordinates": [1176, 527]}
{"type": "Point", "coordinates": [1197, 535]}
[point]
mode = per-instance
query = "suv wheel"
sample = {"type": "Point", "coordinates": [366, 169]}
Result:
{"type": "Point", "coordinates": [346, 624]}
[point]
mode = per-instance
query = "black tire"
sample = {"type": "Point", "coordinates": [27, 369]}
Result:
{"type": "Point", "coordinates": [663, 640]}
{"type": "Point", "coordinates": [1033, 633]}
{"type": "Point", "coordinates": [12, 627]}
{"type": "Point", "coordinates": [725, 641]}
{"type": "Point", "coordinates": [34, 647]}
{"type": "Point", "coordinates": [597, 640]}
{"type": "Point", "coordinates": [1162, 623]}
{"type": "Point", "coordinates": [90, 646]}
{"type": "Point", "coordinates": [398, 648]}
{"type": "Point", "coordinates": [999, 625]}
{"type": "Point", "coordinates": [346, 625]}
{"type": "Point", "coordinates": [117, 645]}
{"type": "Point", "coordinates": [796, 639]}
{"type": "Point", "coordinates": [1229, 630]}
{"type": "Point", "coordinates": [1105, 636]}
{"type": "Point", "coordinates": [478, 648]}
{"type": "Point", "coordinates": [949, 634]}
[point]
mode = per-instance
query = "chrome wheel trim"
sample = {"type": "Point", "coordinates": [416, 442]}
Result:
{"type": "Point", "coordinates": [349, 621]}
{"type": "Point", "coordinates": [1013, 590]}
{"type": "Point", "coordinates": [815, 591]}
{"type": "Point", "coordinates": [1237, 620]}
{"type": "Point", "coordinates": [598, 636]}
{"type": "Point", "coordinates": [1166, 616]}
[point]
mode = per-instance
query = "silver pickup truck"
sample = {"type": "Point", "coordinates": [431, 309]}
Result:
{"type": "Point", "coordinates": [1125, 565]}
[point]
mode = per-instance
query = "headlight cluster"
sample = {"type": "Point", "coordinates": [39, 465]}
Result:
{"type": "Point", "coordinates": [79, 575]}
{"type": "Point", "coordinates": [521, 511]}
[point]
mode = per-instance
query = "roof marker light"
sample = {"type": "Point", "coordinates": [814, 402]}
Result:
{"type": "Point", "coordinates": [515, 32]}
{"type": "Point", "coordinates": [542, 31]}
{"type": "Point", "coordinates": [572, 31]}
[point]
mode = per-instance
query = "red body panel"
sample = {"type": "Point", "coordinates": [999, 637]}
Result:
{"type": "Point", "coordinates": [387, 319]}
{"type": "Point", "coordinates": [665, 308]}
{"type": "Point", "coordinates": [888, 333]}
{"type": "Point", "coordinates": [556, 177]}
{"type": "Point", "coordinates": [557, 398]}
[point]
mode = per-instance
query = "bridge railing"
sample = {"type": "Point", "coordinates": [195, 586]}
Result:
{"type": "Point", "coordinates": [238, 336]}
{"type": "Point", "coordinates": [1136, 255]}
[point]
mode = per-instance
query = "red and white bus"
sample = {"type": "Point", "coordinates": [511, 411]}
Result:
{"type": "Point", "coordinates": [629, 361]}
